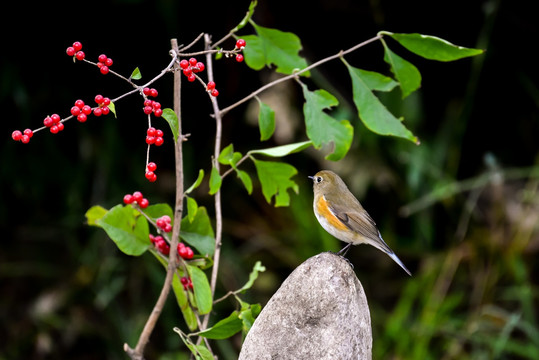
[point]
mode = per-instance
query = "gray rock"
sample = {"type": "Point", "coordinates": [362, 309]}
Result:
{"type": "Point", "coordinates": [319, 312]}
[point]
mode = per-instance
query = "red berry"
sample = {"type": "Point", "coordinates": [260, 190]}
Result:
{"type": "Point", "coordinates": [16, 135]}
{"type": "Point", "coordinates": [159, 141]}
{"type": "Point", "coordinates": [150, 131]}
{"type": "Point", "coordinates": [159, 133]}
{"type": "Point", "coordinates": [128, 199]}
{"type": "Point", "coordinates": [199, 67]}
{"type": "Point", "coordinates": [82, 117]}
{"type": "Point", "coordinates": [240, 43]}
{"type": "Point", "coordinates": [146, 91]}
{"type": "Point", "coordinates": [152, 166]}
{"type": "Point", "coordinates": [106, 101]}
{"type": "Point", "coordinates": [192, 61]}
{"type": "Point", "coordinates": [28, 133]}
{"type": "Point", "coordinates": [86, 109]}
{"type": "Point", "coordinates": [158, 112]}
{"type": "Point", "coordinates": [60, 126]}
{"type": "Point", "coordinates": [75, 110]}
{"type": "Point", "coordinates": [184, 64]}
{"type": "Point", "coordinates": [102, 58]}
{"type": "Point", "coordinates": [55, 118]}
{"type": "Point", "coordinates": [162, 245]}
{"type": "Point", "coordinates": [191, 78]}
{"type": "Point", "coordinates": [99, 99]}
{"type": "Point", "coordinates": [153, 93]}
{"type": "Point", "coordinates": [80, 55]}
{"type": "Point", "coordinates": [98, 112]}
{"type": "Point", "coordinates": [54, 129]}
{"type": "Point", "coordinates": [137, 196]}
{"type": "Point", "coordinates": [79, 104]}
{"type": "Point", "coordinates": [150, 140]}
{"type": "Point", "coordinates": [77, 46]}
{"type": "Point", "coordinates": [215, 92]}
{"type": "Point", "coordinates": [25, 139]}
{"type": "Point", "coordinates": [48, 121]}
{"type": "Point", "coordinates": [239, 57]}
{"type": "Point", "coordinates": [187, 72]}
{"type": "Point", "coordinates": [104, 70]}
{"type": "Point", "coordinates": [156, 105]}
{"type": "Point", "coordinates": [149, 175]}
{"type": "Point", "coordinates": [148, 110]}
{"type": "Point", "coordinates": [105, 110]}
{"type": "Point", "coordinates": [108, 62]}
{"type": "Point", "coordinates": [148, 102]}
{"type": "Point", "coordinates": [143, 203]}
{"type": "Point", "coordinates": [210, 85]}
{"type": "Point", "coordinates": [71, 51]}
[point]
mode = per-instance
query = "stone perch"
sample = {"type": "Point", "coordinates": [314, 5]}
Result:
{"type": "Point", "coordinates": [319, 312]}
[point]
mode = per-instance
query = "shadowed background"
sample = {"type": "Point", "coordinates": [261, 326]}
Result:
{"type": "Point", "coordinates": [460, 210]}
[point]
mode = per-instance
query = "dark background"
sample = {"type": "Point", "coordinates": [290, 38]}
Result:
{"type": "Point", "coordinates": [67, 292]}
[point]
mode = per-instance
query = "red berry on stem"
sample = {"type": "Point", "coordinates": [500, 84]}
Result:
{"type": "Point", "coordinates": [153, 93]}
{"type": "Point", "coordinates": [239, 57]}
{"type": "Point", "coordinates": [128, 199]}
{"type": "Point", "coordinates": [137, 196]}
{"type": "Point", "coordinates": [149, 175]}
{"type": "Point", "coordinates": [148, 110]}
{"type": "Point", "coordinates": [240, 43]}
{"type": "Point", "coordinates": [191, 78]}
{"type": "Point", "coordinates": [48, 121]}
{"type": "Point", "coordinates": [16, 135]}
{"type": "Point", "coordinates": [192, 61]}
{"type": "Point", "coordinates": [60, 126]}
{"type": "Point", "coordinates": [150, 131]}
{"type": "Point", "coordinates": [56, 118]}
{"type": "Point", "coordinates": [159, 133]}
{"type": "Point", "coordinates": [98, 112]}
{"type": "Point", "coordinates": [210, 85]}
{"type": "Point", "coordinates": [79, 104]}
{"type": "Point", "coordinates": [71, 51]}
{"type": "Point", "coordinates": [108, 62]}
{"type": "Point", "coordinates": [152, 166]}
{"type": "Point", "coordinates": [54, 129]}
{"type": "Point", "coordinates": [25, 139]}
{"type": "Point", "coordinates": [143, 203]}
{"type": "Point", "coordinates": [150, 140]}
{"type": "Point", "coordinates": [86, 109]}
{"type": "Point", "coordinates": [102, 58]}
{"type": "Point", "coordinates": [104, 70]}
{"type": "Point", "coordinates": [215, 92]}
{"type": "Point", "coordinates": [158, 112]}
{"type": "Point", "coordinates": [80, 55]}
{"type": "Point", "coordinates": [77, 45]}
{"type": "Point", "coordinates": [28, 132]}
{"type": "Point", "coordinates": [82, 117]}
{"type": "Point", "coordinates": [159, 141]}
{"type": "Point", "coordinates": [75, 110]}
{"type": "Point", "coordinates": [184, 64]}
{"type": "Point", "coordinates": [99, 99]}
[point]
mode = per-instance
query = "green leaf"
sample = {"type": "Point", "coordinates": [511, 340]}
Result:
{"type": "Point", "coordinates": [275, 180]}
{"type": "Point", "coordinates": [247, 17]}
{"type": "Point", "coordinates": [322, 128]}
{"type": "Point", "coordinates": [372, 112]}
{"type": "Point", "coordinates": [199, 232]}
{"type": "Point", "coordinates": [192, 208]}
{"type": "Point", "coordinates": [283, 150]}
{"type": "Point", "coordinates": [228, 156]}
{"type": "Point", "coordinates": [266, 121]}
{"type": "Point", "coordinates": [170, 116]}
{"type": "Point", "coordinates": [433, 48]}
{"type": "Point", "coordinates": [246, 180]}
{"type": "Point", "coordinates": [257, 268]}
{"type": "Point", "coordinates": [406, 74]}
{"type": "Point", "coordinates": [136, 75]}
{"type": "Point", "coordinates": [94, 214]}
{"type": "Point", "coordinates": [201, 352]}
{"type": "Point", "coordinates": [377, 81]}
{"type": "Point", "coordinates": [201, 288]}
{"type": "Point", "coordinates": [248, 316]}
{"type": "Point", "coordinates": [271, 46]}
{"type": "Point", "coordinates": [225, 328]}
{"type": "Point", "coordinates": [215, 181]}
{"type": "Point", "coordinates": [157, 210]}
{"type": "Point", "coordinates": [197, 182]}
{"type": "Point", "coordinates": [183, 303]}
{"type": "Point", "coordinates": [129, 232]}
{"type": "Point", "coordinates": [112, 108]}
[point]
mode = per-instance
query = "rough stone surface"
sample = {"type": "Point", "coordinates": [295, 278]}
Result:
{"type": "Point", "coordinates": [319, 312]}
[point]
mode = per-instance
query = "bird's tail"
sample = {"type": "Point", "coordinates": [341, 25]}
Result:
{"type": "Point", "coordinates": [381, 245]}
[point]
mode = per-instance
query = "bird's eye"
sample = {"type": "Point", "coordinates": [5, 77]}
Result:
{"type": "Point", "coordinates": [319, 179]}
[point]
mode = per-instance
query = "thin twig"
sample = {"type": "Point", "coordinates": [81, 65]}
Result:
{"type": "Point", "coordinates": [299, 72]}
{"type": "Point", "coordinates": [138, 352]}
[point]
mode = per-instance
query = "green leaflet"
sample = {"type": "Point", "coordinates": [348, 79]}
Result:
{"type": "Point", "coordinates": [322, 128]}
{"type": "Point", "coordinates": [271, 46]}
{"type": "Point", "coordinates": [432, 47]}
{"type": "Point", "coordinates": [275, 180]}
{"type": "Point", "coordinates": [406, 74]}
{"type": "Point", "coordinates": [170, 116]}
{"type": "Point", "coordinates": [201, 288]}
{"type": "Point", "coordinates": [266, 121]}
{"type": "Point", "coordinates": [372, 112]}
{"type": "Point", "coordinates": [198, 232]}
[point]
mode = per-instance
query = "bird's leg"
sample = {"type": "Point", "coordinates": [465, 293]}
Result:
{"type": "Point", "coordinates": [344, 250]}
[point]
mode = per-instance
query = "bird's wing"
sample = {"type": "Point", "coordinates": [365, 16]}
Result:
{"type": "Point", "coordinates": [358, 221]}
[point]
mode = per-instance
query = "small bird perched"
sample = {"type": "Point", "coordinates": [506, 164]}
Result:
{"type": "Point", "coordinates": [341, 215]}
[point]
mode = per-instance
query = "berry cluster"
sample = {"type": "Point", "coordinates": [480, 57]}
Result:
{"type": "Point", "coordinates": [163, 223]}
{"type": "Point", "coordinates": [104, 63]}
{"type": "Point", "coordinates": [151, 105]}
{"type": "Point", "coordinates": [150, 172]}
{"type": "Point", "coordinates": [76, 51]}
{"type": "Point", "coordinates": [53, 123]}
{"type": "Point", "coordinates": [189, 68]}
{"type": "Point", "coordinates": [240, 44]}
{"type": "Point", "coordinates": [136, 198]}
{"type": "Point", "coordinates": [23, 137]}
{"type": "Point", "coordinates": [185, 252]}
{"type": "Point", "coordinates": [154, 136]}
{"type": "Point", "coordinates": [187, 283]}
{"type": "Point", "coordinates": [160, 244]}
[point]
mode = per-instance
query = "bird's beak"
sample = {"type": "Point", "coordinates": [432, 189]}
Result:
{"type": "Point", "coordinates": [311, 177]}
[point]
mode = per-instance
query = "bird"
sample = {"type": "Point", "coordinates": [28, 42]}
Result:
{"type": "Point", "coordinates": [341, 214]}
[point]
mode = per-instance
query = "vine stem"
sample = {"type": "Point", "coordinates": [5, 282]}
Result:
{"type": "Point", "coordinates": [138, 352]}
{"type": "Point", "coordinates": [217, 150]}
{"type": "Point", "coordinates": [299, 72]}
